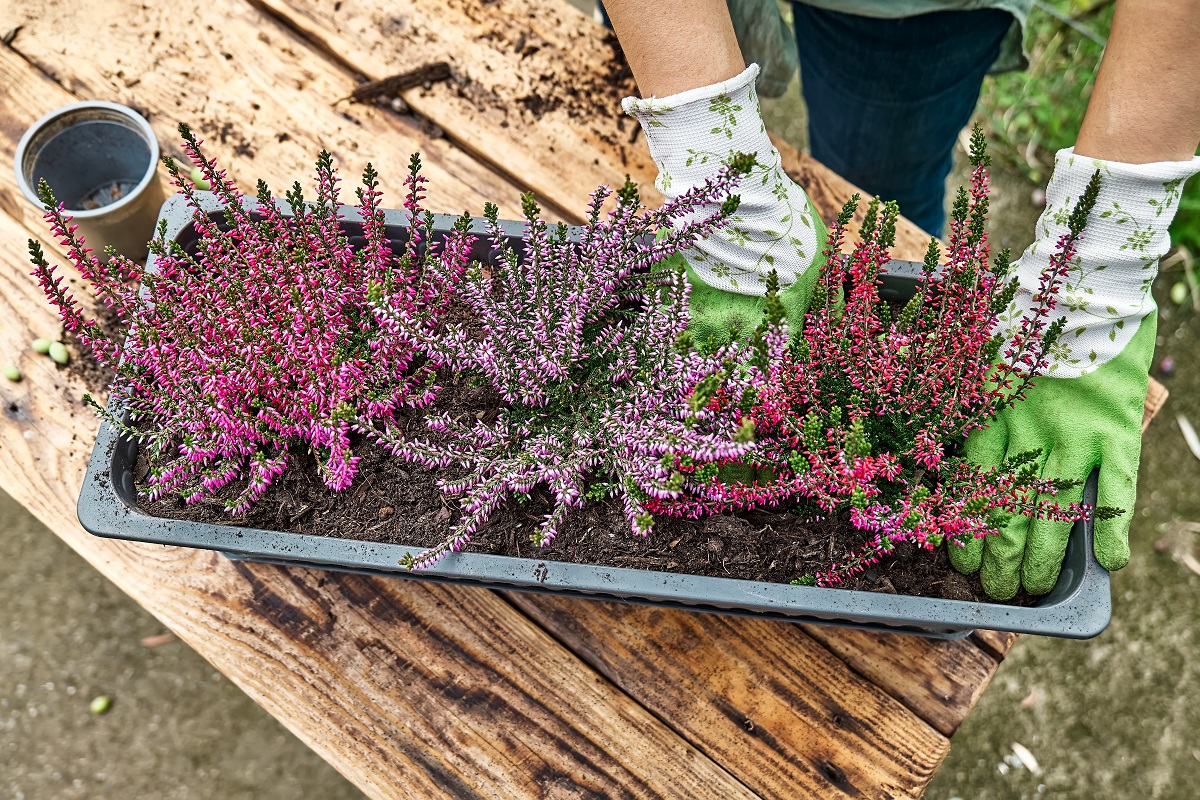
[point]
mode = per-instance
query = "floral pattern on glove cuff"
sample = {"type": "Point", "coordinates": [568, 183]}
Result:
{"type": "Point", "coordinates": [1107, 292]}
{"type": "Point", "coordinates": [691, 135]}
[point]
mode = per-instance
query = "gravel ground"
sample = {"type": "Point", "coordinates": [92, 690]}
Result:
{"type": "Point", "coordinates": [176, 728]}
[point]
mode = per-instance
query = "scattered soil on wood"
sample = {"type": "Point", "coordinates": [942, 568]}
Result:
{"type": "Point", "coordinates": [83, 364]}
{"type": "Point", "coordinates": [397, 502]}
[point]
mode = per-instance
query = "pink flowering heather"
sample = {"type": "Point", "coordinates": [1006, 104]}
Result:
{"type": "Point", "coordinates": [276, 336]}
{"type": "Point", "coordinates": [583, 340]}
{"type": "Point", "coordinates": [865, 412]}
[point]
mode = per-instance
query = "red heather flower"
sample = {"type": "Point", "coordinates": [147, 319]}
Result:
{"type": "Point", "coordinates": [274, 335]}
{"type": "Point", "coordinates": [584, 340]}
{"type": "Point", "coordinates": [865, 411]}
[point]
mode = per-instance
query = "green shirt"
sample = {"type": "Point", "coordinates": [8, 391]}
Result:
{"type": "Point", "coordinates": [1012, 54]}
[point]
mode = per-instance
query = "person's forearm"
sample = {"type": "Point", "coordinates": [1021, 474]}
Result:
{"type": "Point", "coordinates": [676, 45]}
{"type": "Point", "coordinates": [1145, 106]}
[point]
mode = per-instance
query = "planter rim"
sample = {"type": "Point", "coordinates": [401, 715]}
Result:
{"type": "Point", "coordinates": [135, 119]}
{"type": "Point", "coordinates": [1079, 607]}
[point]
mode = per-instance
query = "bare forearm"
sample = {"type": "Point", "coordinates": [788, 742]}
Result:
{"type": "Point", "coordinates": [675, 45]}
{"type": "Point", "coordinates": [1145, 106]}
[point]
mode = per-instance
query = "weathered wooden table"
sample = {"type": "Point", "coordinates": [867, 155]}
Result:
{"type": "Point", "coordinates": [413, 690]}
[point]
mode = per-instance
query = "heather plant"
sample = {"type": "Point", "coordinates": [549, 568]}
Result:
{"type": "Point", "coordinates": [866, 409]}
{"type": "Point", "coordinates": [584, 340]}
{"type": "Point", "coordinates": [274, 337]}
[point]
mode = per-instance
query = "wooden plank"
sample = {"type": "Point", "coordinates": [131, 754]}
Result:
{"type": "Point", "coordinates": [1156, 396]}
{"type": "Point", "coordinates": [535, 92]}
{"type": "Point", "coordinates": [998, 643]}
{"type": "Point", "coordinates": [810, 729]}
{"type": "Point", "coordinates": [259, 97]}
{"type": "Point", "coordinates": [535, 88]}
{"type": "Point", "coordinates": [952, 676]}
{"type": "Point", "coordinates": [412, 691]}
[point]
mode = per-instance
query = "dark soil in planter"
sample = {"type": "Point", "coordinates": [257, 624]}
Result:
{"type": "Point", "coordinates": [397, 502]}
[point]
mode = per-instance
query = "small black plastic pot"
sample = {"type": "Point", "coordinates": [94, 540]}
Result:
{"type": "Point", "coordinates": [1079, 606]}
{"type": "Point", "coordinates": [101, 161]}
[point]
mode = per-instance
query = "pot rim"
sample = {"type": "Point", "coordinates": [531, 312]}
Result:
{"type": "Point", "coordinates": [135, 121]}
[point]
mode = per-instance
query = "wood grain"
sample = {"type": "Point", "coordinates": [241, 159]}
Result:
{"type": "Point", "coordinates": [814, 729]}
{"type": "Point", "coordinates": [535, 90]}
{"type": "Point", "coordinates": [259, 97]}
{"type": "Point", "coordinates": [952, 676]}
{"type": "Point", "coordinates": [998, 643]}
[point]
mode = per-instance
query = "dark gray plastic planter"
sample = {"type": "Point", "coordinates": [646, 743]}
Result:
{"type": "Point", "coordinates": [1079, 606]}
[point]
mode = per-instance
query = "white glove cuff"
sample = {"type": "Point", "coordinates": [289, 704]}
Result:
{"type": "Point", "coordinates": [692, 133]}
{"type": "Point", "coordinates": [1106, 293]}
{"type": "Point", "coordinates": [677, 102]}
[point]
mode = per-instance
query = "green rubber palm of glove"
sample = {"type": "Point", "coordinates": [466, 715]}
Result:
{"type": "Point", "coordinates": [717, 313]}
{"type": "Point", "coordinates": [1079, 424]}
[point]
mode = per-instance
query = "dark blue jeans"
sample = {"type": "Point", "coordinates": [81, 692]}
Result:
{"type": "Point", "coordinates": [887, 97]}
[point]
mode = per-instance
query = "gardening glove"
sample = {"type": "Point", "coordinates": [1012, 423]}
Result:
{"type": "Point", "coordinates": [1086, 411]}
{"type": "Point", "coordinates": [693, 134]}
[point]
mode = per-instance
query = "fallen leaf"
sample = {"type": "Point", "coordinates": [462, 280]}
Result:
{"type": "Point", "coordinates": [1189, 434]}
{"type": "Point", "coordinates": [158, 641]}
{"type": "Point", "coordinates": [1190, 562]}
{"type": "Point", "coordinates": [1027, 759]}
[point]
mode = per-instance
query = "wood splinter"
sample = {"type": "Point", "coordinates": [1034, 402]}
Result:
{"type": "Point", "coordinates": [432, 72]}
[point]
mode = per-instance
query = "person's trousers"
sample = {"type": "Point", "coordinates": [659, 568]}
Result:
{"type": "Point", "coordinates": [887, 97]}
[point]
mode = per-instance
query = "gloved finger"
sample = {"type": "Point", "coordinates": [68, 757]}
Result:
{"type": "Point", "coordinates": [1004, 552]}
{"type": "Point", "coordinates": [1047, 541]}
{"type": "Point", "coordinates": [1118, 487]}
{"type": "Point", "coordinates": [984, 447]}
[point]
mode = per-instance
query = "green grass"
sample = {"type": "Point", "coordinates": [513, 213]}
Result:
{"type": "Point", "coordinates": [1033, 114]}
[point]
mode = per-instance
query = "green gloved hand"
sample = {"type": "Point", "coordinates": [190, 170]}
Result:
{"type": "Point", "coordinates": [1079, 424]}
{"type": "Point", "coordinates": [1085, 412]}
{"type": "Point", "coordinates": [775, 228]}
{"type": "Point", "coordinates": [717, 314]}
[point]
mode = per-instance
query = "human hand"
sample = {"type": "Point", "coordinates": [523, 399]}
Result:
{"type": "Point", "coordinates": [1085, 412]}
{"type": "Point", "coordinates": [691, 135]}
